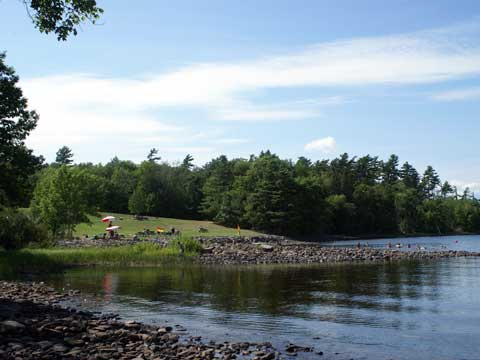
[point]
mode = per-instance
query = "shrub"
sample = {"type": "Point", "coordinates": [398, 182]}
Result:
{"type": "Point", "coordinates": [189, 245]}
{"type": "Point", "coordinates": [18, 230]}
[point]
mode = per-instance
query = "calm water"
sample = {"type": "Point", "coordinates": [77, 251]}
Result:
{"type": "Point", "coordinates": [409, 310]}
{"type": "Point", "coordinates": [467, 243]}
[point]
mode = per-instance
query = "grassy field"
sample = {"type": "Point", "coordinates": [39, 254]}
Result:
{"type": "Point", "coordinates": [129, 226]}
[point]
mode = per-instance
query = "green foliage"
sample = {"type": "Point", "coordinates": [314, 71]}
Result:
{"type": "Point", "coordinates": [409, 176]}
{"type": "Point", "coordinates": [270, 188]}
{"type": "Point", "coordinates": [140, 202]}
{"type": "Point", "coordinates": [346, 195]}
{"type": "Point", "coordinates": [63, 198]}
{"type": "Point", "coordinates": [64, 156]}
{"type": "Point", "coordinates": [407, 200]}
{"type": "Point", "coordinates": [390, 172]}
{"type": "Point", "coordinates": [62, 17]}
{"type": "Point", "coordinates": [187, 245]}
{"type": "Point", "coordinates": [375, 208]}
{"type": "Point", "coordinates": [467, 214]}
{"type": "Point", "coordinates": [187, 162]}
{"type": "Point", "coordinates": [163, 190]}
{"type": "Point", "coordinates": [430, 183]}
{"type": "Point", "coordinates": [152, 155]}
{"type": "Point", "coordinates": [18, 230]}
{"type": "Point", "coordinates": [17, 162]}
{"type": "Point", "coordinates": [342, 213]}
{"type": "Point", "coordinates": [436, 216]}
{"type": "Point", "coordinates": [219, 177]}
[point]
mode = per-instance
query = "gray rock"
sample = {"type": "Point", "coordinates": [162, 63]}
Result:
{"type": "Point", "coordinates": [11, 326]}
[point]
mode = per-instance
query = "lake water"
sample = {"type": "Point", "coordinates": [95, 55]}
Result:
{"type": "Point", "coordinates": [406, 310]}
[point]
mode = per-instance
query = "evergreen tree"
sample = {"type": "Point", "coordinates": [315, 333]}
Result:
{"type": "Point", "coordinates": [409, 176]}
{"type": "Point", "coordinates": [187, 163]}
{"type": "Point", "coordinates": [270, 188]}
{"type": "Point", "coordinates": [446, 189]}
{"type": "Point", "coordinates": [390, 172]}
{"type": "Point", "coordinates": [152, 155]}
{"type": "Point", "coordinates": [218, 182]}
{"type": "Point", "coordinates": [429, 183]}
{"type": "Point", "coordinates": [64, 156]}
{"type": "Point", "coordinates": [367, 170]}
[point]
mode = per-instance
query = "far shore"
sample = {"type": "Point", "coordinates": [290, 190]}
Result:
{"type": "Point", "coordinates": [332, 238]}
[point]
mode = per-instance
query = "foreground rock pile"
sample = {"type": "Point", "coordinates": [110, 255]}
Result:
{"type": "Point", "coordinates": [282, 251]}
{"type": "Point", "coordinates": [33, 327]}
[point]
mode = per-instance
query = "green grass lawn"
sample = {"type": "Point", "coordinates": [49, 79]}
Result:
{"type": "Point", "coordinates": [129, 226]}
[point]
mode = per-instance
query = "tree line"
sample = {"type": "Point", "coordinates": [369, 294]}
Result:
{"type": "Point", "coordinates": [346, 195]}
{"type": "Point", "coordinates": [343, 196]}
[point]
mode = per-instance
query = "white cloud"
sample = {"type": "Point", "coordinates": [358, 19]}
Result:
{"type": "Point", "coordinates": [231, 141]}
{"type": "Point", "coordinates": [474, 186]}
{"type": "Point", "coordinates": [472, 93]}
{"type": "Point", "coordinates": [291, 110]}
{"type": "Point", "coordinates": [265, 114]}
{"type": "Point", "coordinates": [325, 145]}
{"type": "Point", "coordinates": [402, 59]}
{"type": "Point", "coordinates": [96, 112]}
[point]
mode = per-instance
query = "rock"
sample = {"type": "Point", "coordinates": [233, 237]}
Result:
{"type": "Point", "coordinates": [266, 248]}
{"type": "Point", "coordinates": [277, 250]}
{"type": "Point", "coordinates": [60, 348]}
{"type": "Point", "coordinates": [292, 348]}
{"type": "Point", "coordinates": [180, 328]}
{"type": "Point", "coordinates": [75, 342]}
{"type": "Point", "coordinates": [269, 356]}
{"type": "Point", "coordinates": [208, 250]}
{"type": "Point", "coordinates": [11, 326]}
{"type": "Point", "coordinates": [132, 325]}
{"type": "Point", "coordinates": [45, 344]}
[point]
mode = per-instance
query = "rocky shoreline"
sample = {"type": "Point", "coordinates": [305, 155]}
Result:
{"type": "Point", "coordinates": [278, 250]}
{"type": "Point", "coordinates": [271, 249]}
{"type": "Point", "coordinates": [34, 326]}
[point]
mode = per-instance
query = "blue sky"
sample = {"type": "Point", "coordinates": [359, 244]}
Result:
{"type": "Point", "coordinates": [311, 78]}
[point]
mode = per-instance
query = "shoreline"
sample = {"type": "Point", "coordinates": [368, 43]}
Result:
{"type": "Point", "coordinates": [33, 325]}
{"type": "Point", "coordinates": [214, 251]}
{"type": "Point", "coordinates": [228, 251]}
{"type": "Point", "coordinates": [340, 238]}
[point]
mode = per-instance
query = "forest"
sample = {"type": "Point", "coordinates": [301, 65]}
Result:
{"type": "Point", "coordinates": [343, 196]}
{"type": "Point", "coordinates": [347, 195]}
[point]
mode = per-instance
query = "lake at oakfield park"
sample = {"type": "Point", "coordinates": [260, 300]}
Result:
{"type": "Point", "coordinates": [403, 310]}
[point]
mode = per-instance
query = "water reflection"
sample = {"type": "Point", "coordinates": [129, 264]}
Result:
{"type": "Point", "coordinates": [431, 306]}
{"type": "Point", "coordinates": [372, 311]}
{"type": "Point", "coordinates": [272, 290]}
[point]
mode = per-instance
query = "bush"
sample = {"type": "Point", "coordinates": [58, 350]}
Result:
{"type": "Point", "coordinates": [189, 245]}
{"type": "Point", "coordinates": [18, 230]}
